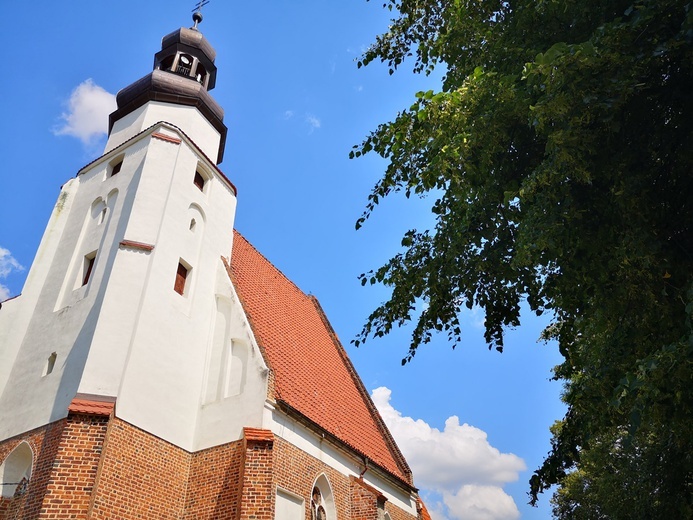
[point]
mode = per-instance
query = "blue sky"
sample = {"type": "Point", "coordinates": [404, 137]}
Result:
{"type": "Point", "coordinates": [473, 423]}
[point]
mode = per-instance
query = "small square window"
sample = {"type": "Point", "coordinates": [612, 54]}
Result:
{"type": "Point", "coordinates": [181, 278]}
{"type": "Point", "coordinates": [199, 181]}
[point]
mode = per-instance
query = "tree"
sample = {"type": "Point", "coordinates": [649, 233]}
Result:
{"type": "Point", "coordinates": [559, 157]}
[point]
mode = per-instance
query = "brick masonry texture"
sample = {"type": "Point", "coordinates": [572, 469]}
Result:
{"type": "Point", "coordinates": [96, 467]}
{"type": "Point", "coordinates": [296, 471]}
{"type": "Point", "coordinates": [69, 490]}
{"type": "Point", "coordinates": [44, 443]}
{"type": "Point", "coordinates": [364, 503]}
{"type": "Point", "coordinates": [213, 486]}
{"type": "Point", "coordinates": [66, 456]}
{"type": "Point", "coordinates": [257, 493]}
{"type": "Point", "coordinates": [141, 476]}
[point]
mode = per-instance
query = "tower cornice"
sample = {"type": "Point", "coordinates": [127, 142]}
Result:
{"type": "Point", "coordinates": [170, 88]}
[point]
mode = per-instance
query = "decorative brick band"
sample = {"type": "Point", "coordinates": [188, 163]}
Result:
{"type": "Point", "coordinates": [166, 138]}
{"type": "Point", "coordinates": [258, 435]}
{"type": "Point", "coordinates": [136, 245]}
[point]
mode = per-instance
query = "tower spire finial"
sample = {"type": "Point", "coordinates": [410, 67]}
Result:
{"type": "Point", "coordinates": [197, 12]}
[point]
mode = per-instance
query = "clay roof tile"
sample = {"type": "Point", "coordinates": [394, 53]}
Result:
{"type": "Point", "coordinates": [312, 371]}
{"type": "Point", "coordinates": [92, 405]}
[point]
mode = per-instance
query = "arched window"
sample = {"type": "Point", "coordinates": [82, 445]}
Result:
{"type": "Point", "coordinates": [200, 74]}
{"type": "Point", "coordinates": [167, 63]}
{"type": "Point", "coordinates": [322, 500]}
{"type": "Point", "coordinates": [15, 471]}
{"type": "Point", "coordinates": [185, 63]}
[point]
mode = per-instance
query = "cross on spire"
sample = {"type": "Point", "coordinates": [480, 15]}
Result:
{"type": "Point", "coordinates": [197, 12]}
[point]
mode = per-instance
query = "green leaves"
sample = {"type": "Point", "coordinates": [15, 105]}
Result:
{"type": "Point", "coordinates": [558, 156]}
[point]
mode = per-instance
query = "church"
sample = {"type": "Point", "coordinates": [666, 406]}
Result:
{"type": "Point", "coordinates": [158, 366]}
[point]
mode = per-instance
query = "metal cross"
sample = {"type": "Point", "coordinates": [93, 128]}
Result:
{"type": "Point", "coordinates": [197, 12]}
{"type": "Point", "coordinates": [198, 7]}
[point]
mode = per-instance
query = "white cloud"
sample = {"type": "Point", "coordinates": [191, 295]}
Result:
{"type": "Point", "coordinates": [7, 264]}
{"type": "Point", "coordinates": [87, 116]}
{"type": "Point", "coordinates": [481, 503]}
{"type": "Point", "coordinates": [476, 317]}
{"type": "Point", "coordinates": [458, 463]}
{"type": "Point", "coordinates": [313, 121]}
{"type": "Point", "coordinates": [435, 507]}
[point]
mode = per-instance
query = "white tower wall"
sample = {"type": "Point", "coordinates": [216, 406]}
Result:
{"type": "Point", "coordinates": [184, 367]}
{"type": "Point", "coordinates": [187, 118]}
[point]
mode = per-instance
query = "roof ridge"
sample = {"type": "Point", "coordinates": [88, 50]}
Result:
{"type": "Point", "coordinates": [239, 234]}
{"type": "Point", "coordinates": [302, 350]}
{"type": "Point", "coordinates": [392, 445]}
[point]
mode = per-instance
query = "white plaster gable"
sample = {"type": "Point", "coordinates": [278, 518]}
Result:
{"type": "Point", "coordinates": [232, 356]}
{"type": "Point", "coordinates": [205, 136]}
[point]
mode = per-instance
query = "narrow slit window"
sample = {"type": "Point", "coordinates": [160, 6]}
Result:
{"type": "Point", "coordinates": [181, 278]}
{"type": "Point", "coordinates": [200, 74]}
{"type": "Point", "coordinates": [88, 267]}
{"type": "Point", "coordinates": [115, 170]}
{"type": "Point", "coordinates": [199, 181]}
{"type": "Point", "coordinates": [50, 364]}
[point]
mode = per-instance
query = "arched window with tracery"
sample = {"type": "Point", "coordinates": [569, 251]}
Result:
{"type": "Point", "coordinates": [322, 500]}
{"type": "Point", "coordinates": [316, 505]}
{"type": "Point", "coordinates": [15, 471]}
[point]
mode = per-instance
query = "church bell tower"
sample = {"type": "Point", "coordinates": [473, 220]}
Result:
{"type": "Point", "coordinates": [129, 287]}
{"type": "Point", "coordinates": [157, 366]}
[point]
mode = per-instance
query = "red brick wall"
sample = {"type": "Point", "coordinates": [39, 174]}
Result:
{"type": "Point", "coordinates": [44, 443]}
{"type": "Point", "coordinates": [364, 502]}
{"type": "Point", "coordinates": [86, 466]}
{"type": "Point", "coordinates": [214, 482]}
{"type": "Point", "coordinates": [76, 462]}
{"type": "Point", "coordinates": [296, 471]}
{"type": "Point", "coordinates": [141, 476]}
{"type": "Point", "coordinates": [396, 513]}
{"type": "Point", "coordinates": [66, 455]}
{"type": "Point", "coordinates": [258, 490]}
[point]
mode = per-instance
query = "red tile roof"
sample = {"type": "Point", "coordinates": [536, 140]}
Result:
{"type": "Point", "coordinates": [92, 405]}
{"type": "Point", "coordinates": [423, 512]}
{"type": "Point", "coordinates": [312, 372]}
{"type": "Point", "coordinates": [257, 434]}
